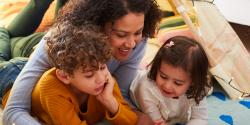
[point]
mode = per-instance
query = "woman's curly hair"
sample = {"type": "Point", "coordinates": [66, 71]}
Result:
{"type": "Point", "coordinates": [100, 12]}
{"type": "Point", "coordinates": [71, 47]}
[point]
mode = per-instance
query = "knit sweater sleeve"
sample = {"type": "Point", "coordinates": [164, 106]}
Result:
{"type": "Point", "coordinates": [62, 111]}
{"type": "Point", "coordinates": [141, 94]}
{"type": "Point", "coordinates": [199, 115]}
{"type": "Point", "coordinates": [125, 115]}
{"type": "Point", "coordinates": [57, 101]}
{"type": "Point", "coordinates": [148, 98]}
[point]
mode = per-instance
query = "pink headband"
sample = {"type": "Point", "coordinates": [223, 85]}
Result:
{"type": "Point", "coordinates": [171, 43]}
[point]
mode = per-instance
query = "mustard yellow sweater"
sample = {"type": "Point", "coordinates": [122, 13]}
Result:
{"type": "Point", "coordinates": [54, 103]}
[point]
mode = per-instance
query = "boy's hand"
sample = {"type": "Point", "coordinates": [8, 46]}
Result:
{"type": "Point", "coordinates": [107, 98]}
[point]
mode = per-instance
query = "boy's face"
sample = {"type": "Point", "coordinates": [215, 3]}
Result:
{"type": "Point", "coordinates": [89, 81]}
{"type": "Point", "coordinates": [172, 81]}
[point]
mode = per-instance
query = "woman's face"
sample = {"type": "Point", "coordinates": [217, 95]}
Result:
{"type": "Point", "coordinates": [124, 34]}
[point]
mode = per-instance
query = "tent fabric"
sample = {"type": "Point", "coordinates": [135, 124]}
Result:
{"type": "Point", "coordinates": [229, 59]}
{"type": "Point", "coordinates": [232, 60]}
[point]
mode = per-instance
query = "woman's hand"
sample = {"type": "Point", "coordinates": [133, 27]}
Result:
{"type": "Point", "coordinates": [107, 98]}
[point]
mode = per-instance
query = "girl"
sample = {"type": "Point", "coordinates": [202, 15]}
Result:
{"type": "Point", "coordinates": [174, 89]}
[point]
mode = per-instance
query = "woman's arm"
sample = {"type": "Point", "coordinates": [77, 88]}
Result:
{"type": "Point", "coordinates": [19, 103]}
{"type": "Point", "coordinates": [126, 71]}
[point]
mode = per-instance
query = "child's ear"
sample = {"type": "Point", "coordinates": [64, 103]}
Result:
{"type": "Point", "coordinates": [63, 76]}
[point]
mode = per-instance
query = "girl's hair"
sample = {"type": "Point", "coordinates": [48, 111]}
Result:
{"type": "Point", "coordinates": [71, 47]}
{"type": "Point", "coordinates": [100, 12]}
{"type": "Point", "coordinates": [191, 57]}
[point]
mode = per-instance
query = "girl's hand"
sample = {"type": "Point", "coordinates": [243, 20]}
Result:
{"type": "Point", "coordinates": [143, 119]}
{"type": "Point", "coordinates": [107, 98]}
{"type": "Point", "coordinates": [160, 122]}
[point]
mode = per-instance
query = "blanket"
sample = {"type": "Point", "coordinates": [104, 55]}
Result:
{"type": "Point", "coordinates": [10, 8]}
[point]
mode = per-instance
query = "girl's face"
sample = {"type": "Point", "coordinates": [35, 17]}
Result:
{"type": "Point", "coordinates": [89, 81]}
{"type": "Point", "coordinates": [124, 34]}
{"type": "Point", "coordinates": [172, 81]}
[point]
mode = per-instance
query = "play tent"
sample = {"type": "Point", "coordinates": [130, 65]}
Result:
{"type": "Point", "coordinates": [229, 59]}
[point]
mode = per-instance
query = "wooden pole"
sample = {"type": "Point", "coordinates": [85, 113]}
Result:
{"type": "Point", "coordinates": [182, 11]}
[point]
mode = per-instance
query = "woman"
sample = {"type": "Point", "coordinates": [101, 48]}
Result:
{"type": "Point", "coordinates": [128, 23]}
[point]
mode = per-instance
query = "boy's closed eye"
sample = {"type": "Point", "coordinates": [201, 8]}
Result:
{"type": "Point", "coordinates": [102, 67]}
{"type": "Point", "coordinates": [88, 74]}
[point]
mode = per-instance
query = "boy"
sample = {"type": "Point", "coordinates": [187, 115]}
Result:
{"type": "Point", "coordinates": [79, 89]}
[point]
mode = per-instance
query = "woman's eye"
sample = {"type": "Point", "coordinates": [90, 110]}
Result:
{"type": "Point", "coordinates": [138, 33]}
{"type": "Point", "coordinates": [121, 35]}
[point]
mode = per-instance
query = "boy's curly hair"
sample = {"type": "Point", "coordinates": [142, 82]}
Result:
{"type": "Point", "coordinates": [100, 12]}
{"type": "Point", "coordinates": [71, 47]}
